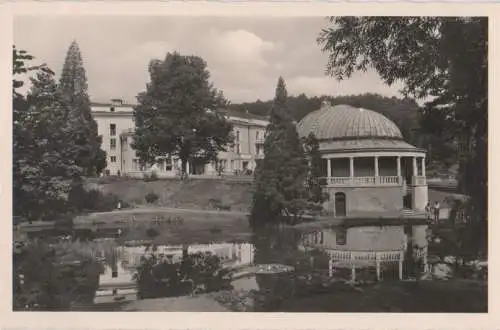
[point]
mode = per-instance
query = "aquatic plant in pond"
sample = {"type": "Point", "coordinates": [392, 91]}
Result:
{"type": "Point", "coordinates": [196, 273]}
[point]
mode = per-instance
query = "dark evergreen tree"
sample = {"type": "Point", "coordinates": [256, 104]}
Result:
{"type": "Point", "coordinates": [281, 176]}
{"type": "Point", "coordinates": [179, 113]}
{"type": "Point", "coordinates": [87, 150]}
{"type": "Point", "coordinates": [311, 145]}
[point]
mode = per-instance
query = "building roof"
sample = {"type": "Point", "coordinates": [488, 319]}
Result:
{"type": "Point", "coordinates": [344, 122]}
{"type": "Point", "coordinates": [246, 115]}
{"type": "Point", "coordinates": [367, 145]}
{"type": "Point", "coordinates": [111, 104]}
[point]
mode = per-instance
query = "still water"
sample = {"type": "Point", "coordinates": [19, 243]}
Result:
{"type": "Point", "coordinates": [359, 247]}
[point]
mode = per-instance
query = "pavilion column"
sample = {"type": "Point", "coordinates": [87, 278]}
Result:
{"type": "Point", "coordinates": [351, 167]}
{"type": "Point", "coordinates": [398, 164]}
{"type": "Point", "coordinates": [329, 167]}
{"type": "Point", "coordinates": [415, 168]}
{"type": "Point", "coordinates": [376, 165]}
{"type": "Point", "coordinates": [423, 166]}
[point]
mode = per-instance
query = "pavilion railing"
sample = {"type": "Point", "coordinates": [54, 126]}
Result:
{"type": "Point", "coordinates": [362, 181]}
{"type": "Point", "coordinates": [346, 255]}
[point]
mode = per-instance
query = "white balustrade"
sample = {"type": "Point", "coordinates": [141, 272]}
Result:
{"type": "Point", "coordinates": [384, 256]}
{"type": "Point", "coordinates": [362, 181]}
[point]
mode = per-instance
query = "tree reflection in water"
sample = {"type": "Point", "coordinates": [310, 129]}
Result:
{"type": "Point", "coordinates": [276, 246]}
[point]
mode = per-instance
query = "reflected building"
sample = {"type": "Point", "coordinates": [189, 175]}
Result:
{"type": "Point", "coordinates": [367, 246]}
{"type": "Point", "coordinates": [232, 255]}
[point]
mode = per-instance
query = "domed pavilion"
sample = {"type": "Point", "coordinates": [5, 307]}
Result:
{"type": "Point", "coordinates": [368, 167]}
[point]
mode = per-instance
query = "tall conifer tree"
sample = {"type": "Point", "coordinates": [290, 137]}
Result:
{"type": "Point", "coordinates": [316, 194]}
{"type": "Point", "coordinates": [280, 177]}
{"type": "Point", "coordinates": [74, 91]}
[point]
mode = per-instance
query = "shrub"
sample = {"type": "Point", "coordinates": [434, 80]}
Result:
{"type": "Point", "coordinates": [151, 197]}
{"type": "Point", "coordinates": [93, 200]}
{"type": "Point", "coordinates": [148, 177]}
{"type": "Point", "coordinates": [217, 204]}
{"type": "Point", "coordinates": [197, 271]}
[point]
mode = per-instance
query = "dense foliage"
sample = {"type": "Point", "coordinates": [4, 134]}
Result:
{"type": "Point", "coordinates": [47, 167]}
{"type": "Point", "coordinates": [311, 145]}
{"type": "Point", "coordinates": [178, 114]}
{"type": "Point", "coordinates": [49, 278]}
{"type": "Point", "coordinates": [443, 59]}
{"type": "Point", "coordinates": [195, 273]}
{"type": "Point", "coordinates": [281, 176]}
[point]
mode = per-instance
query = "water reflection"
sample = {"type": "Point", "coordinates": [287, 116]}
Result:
{"type": "Point", "coordinates": [232, 255]}
{"type": "Point", "coordinates": [316, 257]}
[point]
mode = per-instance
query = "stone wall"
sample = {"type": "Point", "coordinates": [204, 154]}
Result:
{"type": "Point", "coordinates": [368, 199]}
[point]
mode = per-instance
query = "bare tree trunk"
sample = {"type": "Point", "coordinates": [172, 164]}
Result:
{"type": "Point", "coordinates": [184, 174]}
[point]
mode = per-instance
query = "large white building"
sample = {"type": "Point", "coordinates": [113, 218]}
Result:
{"type": "Point", "coordinates": [116, 126]}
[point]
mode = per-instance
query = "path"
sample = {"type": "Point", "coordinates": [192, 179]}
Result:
{"type": "Point", "coordinates": [147, 209]}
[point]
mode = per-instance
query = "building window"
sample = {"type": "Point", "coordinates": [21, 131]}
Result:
{"type": "Point", "coordinates": [237, 148]}
{"type": "Point", "coordinates": [112, 144]}
{"type": "Point", "coordinates": [237, 136]}
{"type": "Point", "coordinates": [257, 135]}
{"type": "Point", "coordinates": [112, 129]}
{"type": "Point", "coordinates": [168, 164]}
{"type": "Point", "coordinates": [112, 159]}
{"type": "Point", "coordinates": [232, 165]}
{"type": "Point", "coordinates": [112, 109]}
{"type": "Point", "coordinates": [341, 236]}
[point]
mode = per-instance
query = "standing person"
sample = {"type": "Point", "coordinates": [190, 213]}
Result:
{"type": "Point", "coordinates": [428, 210]}
{"type": "Point", "coordinates": [436, 211]}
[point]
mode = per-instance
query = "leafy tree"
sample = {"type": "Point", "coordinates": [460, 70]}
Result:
{"type": "Point", "coordinates": [87, 150]}
{"type": "Point", "coordinates": [42, 166]}
{"type": "Point", "coordinates": [178, 114]}
{"type": "Point", "coordinates": [311, 145]}
{"type": "Point", "coordinates": [281, 175]}
{"type": "Point", "coordinates": [442, 58]}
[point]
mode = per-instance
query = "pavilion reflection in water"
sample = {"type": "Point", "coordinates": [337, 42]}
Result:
{"type": "Point", "coordinates": [368, 246]}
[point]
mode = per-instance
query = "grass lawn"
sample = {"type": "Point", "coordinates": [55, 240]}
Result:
{"type": "Point", "coordinates": [193, 194]}
{"type": "Point", "coordinates": [453, 296]}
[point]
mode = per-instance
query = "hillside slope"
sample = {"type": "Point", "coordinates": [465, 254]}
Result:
{"type": "Point", "coordinates": [194, 194]}
{"type": "Point", "coordinates": [198, 193]}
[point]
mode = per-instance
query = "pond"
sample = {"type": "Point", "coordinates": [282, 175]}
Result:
{"type": "Point", "coordinates": [270, 262]}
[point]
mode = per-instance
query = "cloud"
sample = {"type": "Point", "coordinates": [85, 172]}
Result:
{"type": "Point", "coordinates": [245, 56]}
{"type": "Point", "coordinates": [240, 47]}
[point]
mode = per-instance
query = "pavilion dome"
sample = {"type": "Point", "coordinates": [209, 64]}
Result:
{"type": "Point", "coordinates": [344, 122]}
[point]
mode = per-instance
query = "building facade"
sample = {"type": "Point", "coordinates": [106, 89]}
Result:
{"type": "Point", "coordinates": [368, 168]}
{"type": "Point", "coordinates": [116, 126]}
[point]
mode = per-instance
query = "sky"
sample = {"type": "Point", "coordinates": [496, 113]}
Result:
{"type": "Point", "coordinates": [244, 55]}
